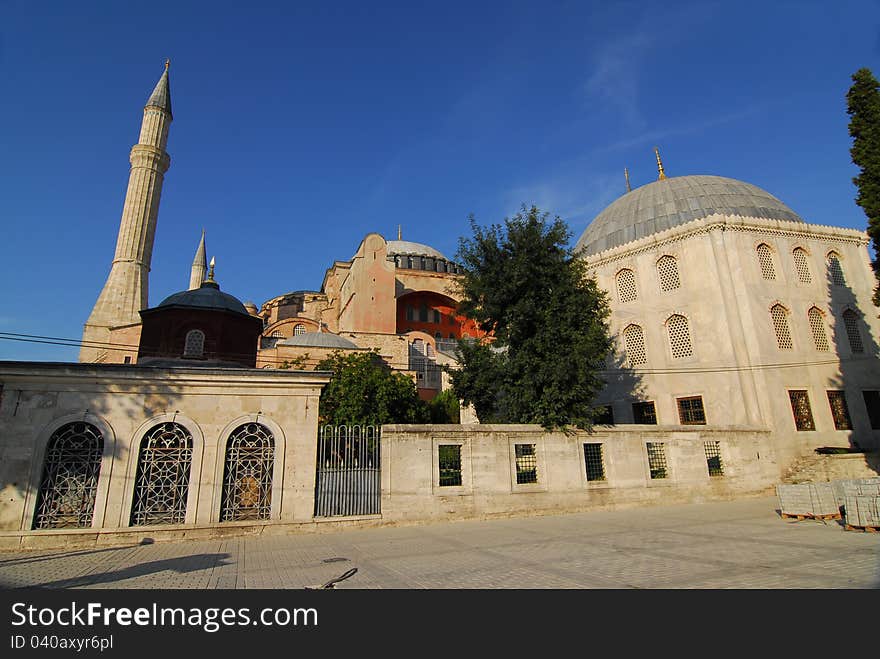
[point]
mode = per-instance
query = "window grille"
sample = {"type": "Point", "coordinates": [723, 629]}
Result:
{"type": "Point", "coordinates": [839, 410]}
{"type": "Point", "coordinates": [593, 462]}
{"type": "Point", "coordinates": [247, 476]}
{"type": "Point", "coordinates": [802, 265]}
{"type": "Point", "coordinates": [817, 327]}
{"type": "Point", "coordinates": [657, 459]}
{"type": "Point", "coordinates": [644, 413]}
{"type": "Point", "coordinates": [872, 404]}
{"type": "Point", "coordinates": [851, 323]}
{"type": "Point", "coordinates": [690, 411]}
{"type": "Point", "coordinates": [679, 336]}
{"type": "Point", "coordinates": [800, 407]}
{"type": "Point", "coordinates": [277, 334]}
{"type": "Point", "coordinates": [626, 286]}
{"type": "Point", "coordinates": [194, 346]}
{"type": "Point", "coordinates": [526, 463]}
{"type": "Point", "coordinates": [70, 477]}
{"type": "Point", "coordinates": [667, 268]}
{"type": "Point", "coordinates": [634, 345]}
{"type": "Point", "coordinates": [162, 481]}
{"type": "Point", "coordinates": [713, 458]}
{"type": "Point", "coordinates": [449, 458]}
{"type": "Point", "coordinates": [299, 330]}
{"type": "Point", "coordinates": [437, 316]}
{"type": "Point", "coordinates": [765, 259]}
{"type": "Point", "coordinates": [779, 316]}
{"type": "Point", "coordinates": [835, 270]}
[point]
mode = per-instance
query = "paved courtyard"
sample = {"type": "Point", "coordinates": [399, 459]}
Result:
{"type": "Point", "coordinates": [739, 544]}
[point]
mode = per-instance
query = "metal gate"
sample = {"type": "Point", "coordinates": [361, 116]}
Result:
{"type": "Point", "coordinates": [347, 481]}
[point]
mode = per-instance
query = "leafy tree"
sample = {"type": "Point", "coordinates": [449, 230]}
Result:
{"type": "Point", "coordinates": [863, 107]}
{"type": "Point", "coordinates": [525, 287]}
{"type": "Point", "coordinates": [364, 390]}
{"type": "Point", "coordinates": [444, 408]}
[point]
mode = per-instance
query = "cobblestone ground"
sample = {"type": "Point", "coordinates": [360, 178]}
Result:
{"type": "Point", "coordinates": [739, 544]}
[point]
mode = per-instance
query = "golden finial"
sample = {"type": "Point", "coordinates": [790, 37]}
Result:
{"type": "Point", "coordinates": [626, 176]}
{"type": "Point", "coordinates": [211, 272]}
{"type": "Point", "coordinates": [659, 165]}
{"type": "Point", "coordinates": [167, 64]}
{"type": "Point", "coordinates": [399, 233]}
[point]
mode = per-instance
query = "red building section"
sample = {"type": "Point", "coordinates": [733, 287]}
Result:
{"type": "Point", "coordinates": [433, 314]}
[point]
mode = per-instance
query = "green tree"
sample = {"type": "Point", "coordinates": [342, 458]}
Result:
{"type": "Point", "coordinates": [444, 408]}
{"type": "Point", "coordinates": [525, 287]}
{"type": "Point", "coordinates": [863, 107]}
{"type": "Point", "coordinates": [364, 390]}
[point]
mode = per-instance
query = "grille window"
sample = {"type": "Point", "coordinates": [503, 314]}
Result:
{"type": "Point", "coordinates": [667, 269]}
{"type": "Point", "coordinates": [634, 345]}
{"type": "Point", "coordinates": [679, 336]}
{"type": "Point", "coordinates": [713, 458]}
{"type": "Point", "coordinates": [194, 346]}
{"type": "Point", "coordinates": [779, 316]}
{"type": "Point", "coordinates": [626, 286]}
{"type": "Point", "coordinates": [593, 461]}
{"type": "Point", "coordinates": [765, 259]}
{"type": "Point", "coordinates": [851, 323]}
{"type": "Point", "coordinates": [802, 266]}
{"type": "Point", "coordinates": [690, 411]}
{"type": "Point", "coordinates": [162, 481]}
{"type": "Point", "coordinates": [70, 477]}
{"type": "Point", "coordinates": [657, 459]}
{"type": "Point", "coordinates": [298, 330]}
{"type": "Point", "coordinates": [872, 404]}
{"type": "Point", "coordinates": [526, 463]}
{"type": "Point", "coordinates": [449, 458]}
{"type": "Point", "coordinates": [817, 327]}
{"type": "Point", "coordinates": [800, 407]}
{"type": "Point", "coordinates": [839, 410]}
{"type": "Point", "coordinates": [644, 413]}
{"type": "Point", "coordinates": [835, 270]}
{"type": "Point", "coordinates": [247, 480]}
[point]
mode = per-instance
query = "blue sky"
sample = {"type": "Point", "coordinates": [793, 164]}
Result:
{"type": "Point", "coordinates": [300, 127]}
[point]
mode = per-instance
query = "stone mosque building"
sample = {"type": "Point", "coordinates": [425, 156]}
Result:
{"type": "Point", "coordinates": [746, 337]}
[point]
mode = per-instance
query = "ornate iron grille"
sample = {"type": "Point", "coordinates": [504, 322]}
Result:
{"type": "Point", "coordinates": [835, 271]}
{"type": "Point", "coordinates": [765, 259]}
{"type": "Point", "coordinates": [626, 285]}
{"type": "Point", "coordinates": [162, 481]}
{"type": "Point", "coordinates": [348, 471]}
{"type": "Point", "coordinates": [839, 410]}
{"type": "Point", "coordinates": [70, 477]}
{"type": "Point", "coordinates": [667, 269]}
{"type": "Point", "coordinates": [247, 476]}
{"type": "Point", "coordinates": [526, 463]}
{"type": "Point", "coordinates": [779, 316]}
{"type": "Point", "coordinates": [803, 267]}
{"type": "Point", "coordinates": [800, 407]}
{"type": "Point", "coordinates": [657, 459]}
{"type": "Point", "coordinates": [679, 336]}
{"type": "Point", "coordinates": [713, 458]}
{"type": "Point", "coordinates": [593, 461]}
{"type": "Point", "coordinates": [449, 458]}
{"type": "Point", "coordinates": [851, 323]}
{"type": "Point", "coordinates": [817, 327]}
{"type": "Point", "coordinates": [690, 411]}
{"type": "Point", "coordinates": [645, 413]}
{"type": "Point", "coordinates": [634, 344]}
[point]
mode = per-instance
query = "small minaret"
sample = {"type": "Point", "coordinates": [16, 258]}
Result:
{"type": "Point", "coordinates": [126, 289]}
{"type": "Point", "coordinates": [199, 266]}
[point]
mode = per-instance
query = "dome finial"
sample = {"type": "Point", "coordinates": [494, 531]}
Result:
{"type": "Point", "coordinates": [211, 272]}
{"type": "Point", "coordinates": [167, 64]}
{"type": "Point", "coordinates": [659, 165]}
{"type": "Point", "coordinates": [399, 233]}
{"type": "Point", "coordinates": [626, 176]}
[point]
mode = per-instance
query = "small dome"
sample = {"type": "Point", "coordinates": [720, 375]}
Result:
{"type": "Point", "coordinates": [207, 296]}
{"type": "Point", "coordinates": [318, 340]}
{"type": "Point", "coordinates": [405, 247]}
{"type": "Point", "coordinates": [674, 201]}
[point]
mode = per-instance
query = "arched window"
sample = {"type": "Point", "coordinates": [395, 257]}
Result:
{"type": "Point", "coordinates": [162, 482]}
{"type": "Point", "coordinates": [299, 330]}
{"type": "Point", "coordinates": [835, 270]}
{"type": "Point", "coordinates": [765, 260]}
{"type": "Point", "coordinates": [194, 346]}
{"type": "Point", "coordinates": [626, 285]}
{"type": "Point", "coordinates": [277, 334]}
{"type": "Point", "coordinates": [70, 477]}
{"type": "Point", "coordinates": [779, 316]}
{"type": "Point", "coordinates": [817, 327]}
{"type": "Point", "coordinates": [634, 344]}
{"type": "Point", "coordinates": [802, 265]}
{"type": "Point", "coordinates": [247, 475]}
{"type": "Point", "coordinates": [851, 323]}
{"type": "Point", "coordinates": [667, 270]}
{"type": "Point", "coordinates": [679, 336]}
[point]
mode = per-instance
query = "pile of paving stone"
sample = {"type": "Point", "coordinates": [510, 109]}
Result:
{"type": "Point", "coordinates": [856, 500]}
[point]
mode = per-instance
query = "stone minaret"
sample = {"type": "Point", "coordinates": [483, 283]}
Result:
{"type": "Point", "coordinates": [125, 292]}
{"type": "Point", "coordinates": [199, 266]}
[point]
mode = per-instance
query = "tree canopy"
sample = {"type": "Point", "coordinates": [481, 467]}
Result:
{"type": "Point", "coordinates": [863, 107]}
{"type": "Point", "coordinates": [364, 390]}
{"type": "Point", "coordinates": [525, 287]}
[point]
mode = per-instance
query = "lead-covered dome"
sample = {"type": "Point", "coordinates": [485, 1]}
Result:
{"type": "Point", "coordinates": [207, 296]}
{"type": "Point", "coordinates": [407, 248]}
{"type": "Point", "coordinates": [674, 201]}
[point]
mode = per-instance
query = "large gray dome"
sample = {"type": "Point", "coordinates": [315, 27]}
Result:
{"type": "Point", "coordinates": [670, 202]}
{"type": "Point", "coordinates": [407, 248]}
{"type": "Point", "coordinates": [207, 296]}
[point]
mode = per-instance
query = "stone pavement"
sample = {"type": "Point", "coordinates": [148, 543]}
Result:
{"type": "Point", "coordinates": [736, 544]}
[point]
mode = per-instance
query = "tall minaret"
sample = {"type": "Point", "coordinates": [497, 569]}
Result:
{"type": "Point", "coordinates": [125, 292]}
{"type": "Point", "coordinates": [199, 266]}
